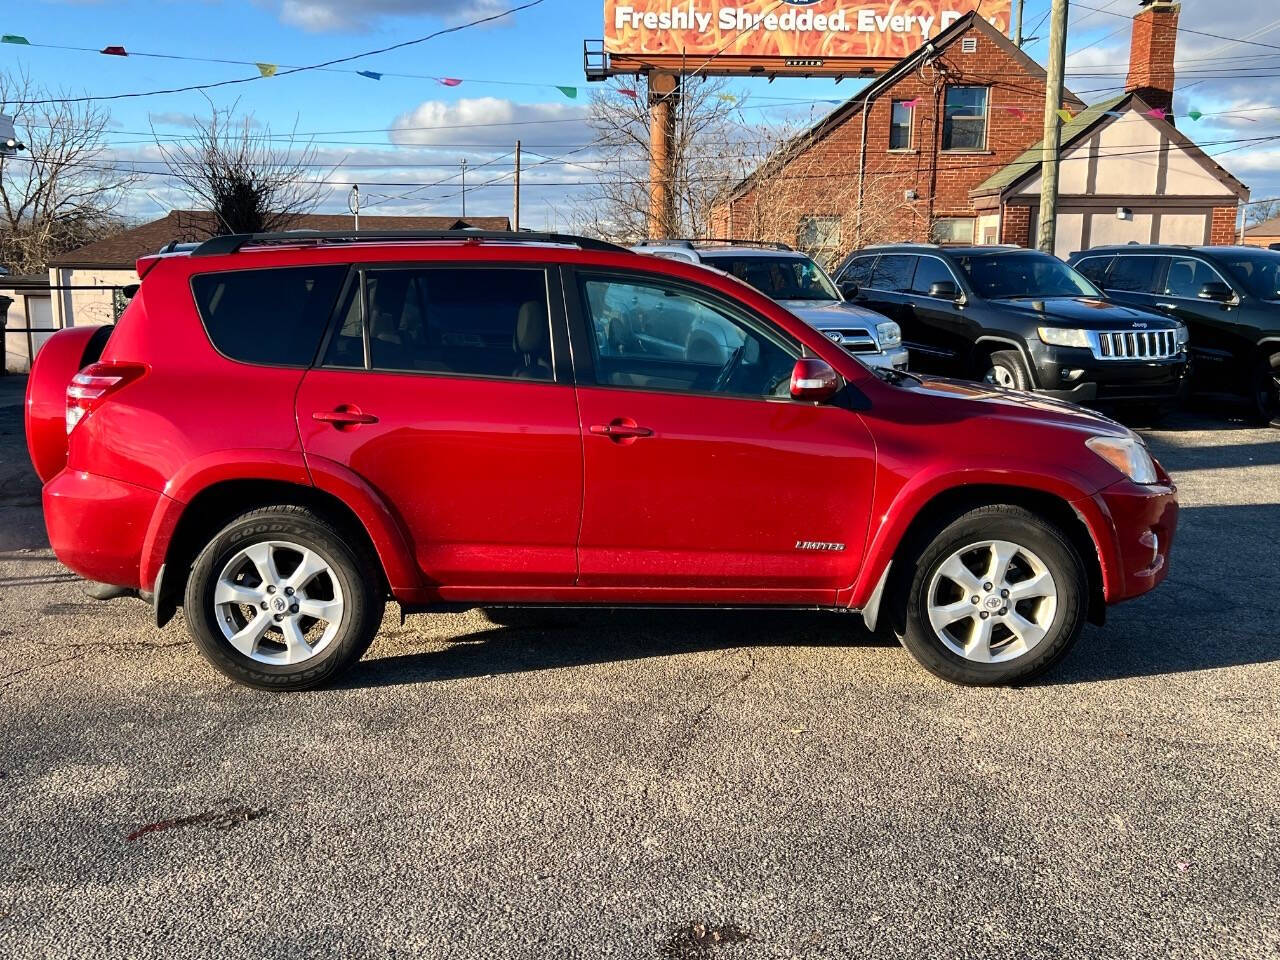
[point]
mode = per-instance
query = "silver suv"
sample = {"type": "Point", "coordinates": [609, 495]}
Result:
{"type": "Point", "coordinates": [800, 285]}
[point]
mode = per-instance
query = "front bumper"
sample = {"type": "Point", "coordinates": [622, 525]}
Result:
{"type": "Point", "coordinates": [895, 359]}
{"type": "Point", "coordinates": [1070, 373]}
{"type": "Point", "coordinates": [1142, 520]}
{"type": "Point", "coordinates": [98, 526]}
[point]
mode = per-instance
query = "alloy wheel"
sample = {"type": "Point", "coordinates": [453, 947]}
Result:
{"type": "Point", "coordinates": [992, 601]}
{"type": "Point", "coordinates": [1001, 376]}
{"type": "Point", "coordinates": [278, 602]}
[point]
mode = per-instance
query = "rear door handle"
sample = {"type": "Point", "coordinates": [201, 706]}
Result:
{"type": "Point", "coordinates": [1167, 306]}
{"type": "Point", "coordinates": [621, 429]}
{"type": "Point", "coordinates": [344, 416]}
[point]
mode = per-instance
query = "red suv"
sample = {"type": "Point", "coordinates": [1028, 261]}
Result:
{"type": "Point", "coordinates": [283, 431]}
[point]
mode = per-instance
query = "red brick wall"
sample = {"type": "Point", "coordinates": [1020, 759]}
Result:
{"type": "Point", "coordinates": [822, 180]}
{"type": "Point", "coordinates": [1151, 51]}
{"type": "Point", "coordinates": [1222, 229]}
{"type": "Point", "coordinates": [1015, 225]}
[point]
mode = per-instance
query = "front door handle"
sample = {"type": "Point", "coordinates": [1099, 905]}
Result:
{"type": "Point", "coordinates": [344, 417]}
{"type": "Point", "coordinates": [620, 430]}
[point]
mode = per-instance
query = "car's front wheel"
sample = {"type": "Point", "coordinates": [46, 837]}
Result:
{"type": "Point", "coordinates": [280, 599]}
{"type": "Point", "coordinates": [998, 596]}
{"type": "Point", "coordinates": [1004, 368]}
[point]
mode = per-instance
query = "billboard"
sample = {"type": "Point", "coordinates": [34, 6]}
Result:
{"type": "Point", "coordinates": [877, 32]}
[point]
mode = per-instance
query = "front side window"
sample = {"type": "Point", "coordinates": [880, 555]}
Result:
{"type": "Point", "coordinates": [858, 271]}
{"type": "Point", "coordinates": [1134, 274]}
{"type": "Point", "coordinates": [779, 278]}
{"type": "Point", "coordinates": [900, 126]}
{"type": "Point", "coordinates": [930, 270]}
{"type": "Point", "coordinates": [1258, 272]}
{"type": "Point", "coordinates": [1025, 275]}
{"type": "Point", "coordinates": [651, 336]}
{"type": "Point", "coordinates": [1095, 269]}
{"type": "Point", "coordinates": [893, 273]}
{"type": "Point", "coordinates": [964, 126]}
{"type": "Point", "coordinates": [274, 317]}
{"type": "Point", "coordinates": [1186, 276]}
{"type": "Point", "coordinates": [488, 322]}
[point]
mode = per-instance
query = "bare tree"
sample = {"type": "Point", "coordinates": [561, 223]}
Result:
{"type": "Point", "coordinates": [63, 190]}
{"type": "Point", "coordinates": [249, 180]}
{"type": "Point", "coordinates": [706, 139]}
{"type": "Point", "coordinates": [1260, 210]}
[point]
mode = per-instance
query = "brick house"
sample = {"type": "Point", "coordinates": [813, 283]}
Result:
{"type": "Point", "coordinates": [944, 148]}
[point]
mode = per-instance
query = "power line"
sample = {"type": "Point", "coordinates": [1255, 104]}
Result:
{"type": "Point", "coordinates": [502, 15]}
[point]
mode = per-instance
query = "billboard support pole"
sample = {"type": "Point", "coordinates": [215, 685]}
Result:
{"type": "Point", "coordinates": [664, 92]}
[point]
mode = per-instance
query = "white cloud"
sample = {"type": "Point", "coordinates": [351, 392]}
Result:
{"type": "Point", "coordinates": [349, 16]}
{"type": "Point", "coordinates": [491, 120]}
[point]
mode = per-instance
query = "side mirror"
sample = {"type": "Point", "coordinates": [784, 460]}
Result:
{"type": "Point", "coordinates": [1217, 291]}
{"type": "Point", "coordinates": [849, 289]}
{"type": "Point", "coordinates": [814, 380]}
{"type": "Point", "coordinates": [944, 290]}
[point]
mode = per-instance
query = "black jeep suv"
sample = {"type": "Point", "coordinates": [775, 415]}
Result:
{"type": "Point", "coordinates": [1019, 318]}
{"type": "Point", "coordinates": [1229, 298]}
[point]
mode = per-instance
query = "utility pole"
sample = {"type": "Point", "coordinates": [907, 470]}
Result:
{"type": "Point", "coordinates": [515, 216]}
{"type": "Point", "coordinates": [1017, 23]}
{"type": "Point", "coordinates": [664, 92]}
{"type": "Point", "coordinates": [1052, 126]}
{"type": "Point", "coordinates": [464, 189]}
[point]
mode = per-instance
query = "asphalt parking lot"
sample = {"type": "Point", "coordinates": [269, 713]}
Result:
{"type": "Point", "coordinates": [665, 786]}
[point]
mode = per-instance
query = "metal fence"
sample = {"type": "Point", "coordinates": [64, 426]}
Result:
{"type": "Point", "coordinates": [33, 316]}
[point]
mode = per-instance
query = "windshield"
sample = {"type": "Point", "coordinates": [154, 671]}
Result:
{"type": "Point", "coordinates": [780, 278]}
{"type": "Point", "coordinates": [1027, 274]}
{"type": "Point", "coordinates": [1258, 273]}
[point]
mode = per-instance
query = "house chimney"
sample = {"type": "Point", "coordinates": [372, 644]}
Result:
{"type": "Point", "coordinates": [1151, 49]}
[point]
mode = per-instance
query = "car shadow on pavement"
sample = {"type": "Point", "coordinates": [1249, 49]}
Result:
{"type": "Point", "coordinates": [1216, 608]}
{"type": "Point", "coordinates": [534, 640]}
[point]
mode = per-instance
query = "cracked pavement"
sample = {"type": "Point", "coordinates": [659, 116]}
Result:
{"type": "Point", "coordinates": [665, 785]}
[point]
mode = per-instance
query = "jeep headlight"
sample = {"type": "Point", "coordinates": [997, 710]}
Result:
{"type": "Point", "coordinates": [1064, 336]}
{"type": "Point", "coordinates": [1182, 335]}
{"type": "Point", "coordinates": [1127, 454]}
{"type": "Point", "coordinates": [889, 334]}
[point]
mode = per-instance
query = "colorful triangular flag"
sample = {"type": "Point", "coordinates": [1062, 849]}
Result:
{"type": "Point", "coordinates": [1113, 113]}
{"type": "Point", "coordinates": [1156, 113]}
{"type": "Point", "coordinates": [1018, 114]}
{"type": "Point", "coordinates": [14, 38]}
{"type": "Point", "coordinates": [372, 75]}
{"type": "Point", "coordinates": [115, 51]}
{"type": "Point", "coordinates": [629, 92]}
{"type": "Point", "coordinates": [1194, 114]}
{"type": "Point", "coordinates": [570, 92]}
{"type": "Point", "coordinates": [267, 69]}
{"type": "Point", "coordinates": [911, 103]}
{"type": "Point", "coordinates": [727, 98]}
{"type": "Point", "coordinates": [449, 81]}
{"type": "Point", "coordinates": [1064, 115]}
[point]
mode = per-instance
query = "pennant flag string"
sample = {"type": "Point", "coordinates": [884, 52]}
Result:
{"type": "Point", "coordinates": [449, 81]}
{"type": "Point", "coordinates": [267, 69]}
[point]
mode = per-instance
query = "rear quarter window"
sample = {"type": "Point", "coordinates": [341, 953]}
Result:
{"type": "Point", "coordinates": [274, 317]}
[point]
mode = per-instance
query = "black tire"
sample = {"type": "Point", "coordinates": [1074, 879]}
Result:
{"type": "Point", "coordinates": [353, 565]}
{"type": "Point", "coordinates": [1005, 368]}
{"type": "Point", "coordinates": [1265, 389]}
{"type": "Point", "coordinates": [1021, 527]}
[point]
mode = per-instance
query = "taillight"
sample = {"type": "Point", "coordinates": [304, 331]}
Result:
{"type": "Point", "coordinates": [94, 384]}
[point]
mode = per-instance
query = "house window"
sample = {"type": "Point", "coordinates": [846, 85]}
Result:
{"type": "Point", "coordinates": [818, 236]}
{"type": "Point", "coordinates": [952, 230]}
{"type": "Point", "coordinates": [964, 127]}
{"type": "Point", "coordinates": [900, 126]}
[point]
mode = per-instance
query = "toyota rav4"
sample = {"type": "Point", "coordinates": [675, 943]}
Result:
{"type": "Point", "coordinates": [283, 431]}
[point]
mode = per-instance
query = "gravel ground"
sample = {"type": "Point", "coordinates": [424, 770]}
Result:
{"type": "Point", "coordinates": [666, 786]}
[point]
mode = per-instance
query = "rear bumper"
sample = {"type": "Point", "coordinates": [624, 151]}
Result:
{"type": "Point", "coordinates": [1142, 520]}
{"type": "Point", "coordinates": [98, 526]}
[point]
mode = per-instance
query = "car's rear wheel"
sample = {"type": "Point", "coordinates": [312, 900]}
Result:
{"type": "Point", "coordinates": [1266, 388]}
{"type": "Point", "coordinates": [1004, 368]}
{"type": "Point", "coordinates": [280, 599]}
{"type": "Point", "coordinates": [997, 597]}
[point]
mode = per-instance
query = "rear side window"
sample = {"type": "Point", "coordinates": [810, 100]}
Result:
{"type": "Point", "coordinates": [1187, 275]}
{"type": "Point", "coordinates": [274, 317]}
{"type": "Point", "coordinates": [893, 273]}
{"type": "Point", "coordinates": [488, 322]}
{"type": "Point", "coordinates": [1095, 269]}
{"type": "Point", "coordinates": [930, 270]}
{"type": "Point", "coordinates": [1134, 274]}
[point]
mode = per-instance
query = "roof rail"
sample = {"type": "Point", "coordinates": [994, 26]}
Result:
{"type": "Point", "coordinates": [691, 243]}
{"type": "Point", "coordinates": [234, 242]}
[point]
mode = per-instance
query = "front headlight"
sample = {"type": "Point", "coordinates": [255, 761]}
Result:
{"type": "Point", "coordinates": [889, 334]}
{"type": "Point", "coordinates": [1127, 454]}
{"type": "Point", "coordinates": [1182, 335]}
{"type": "Point", "coordinates": [1064, 337]}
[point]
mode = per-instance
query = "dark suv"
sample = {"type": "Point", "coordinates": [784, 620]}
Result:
{"type": "Point", "coordinates": [1018, 318]}
{"type": "Point", "coordinates": [1229, 298]}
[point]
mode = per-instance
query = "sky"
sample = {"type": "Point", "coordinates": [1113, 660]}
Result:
{"type": "Point", "coordinates": [402, 138]}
